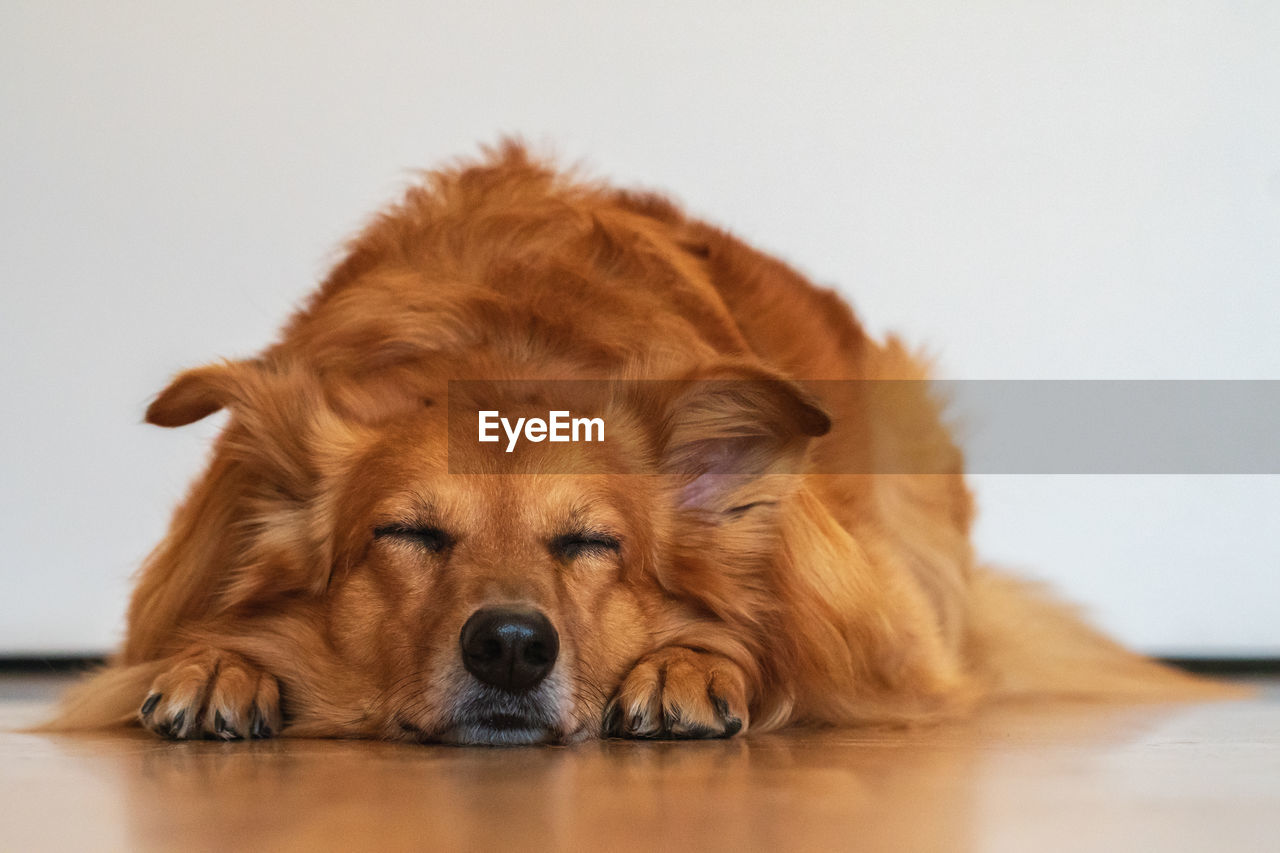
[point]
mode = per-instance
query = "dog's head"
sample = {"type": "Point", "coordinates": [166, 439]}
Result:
{"type": "Point", "coordinates": [405, 580]}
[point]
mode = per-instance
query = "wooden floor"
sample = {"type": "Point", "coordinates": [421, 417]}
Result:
{"type": "Point", "coordinates": [1192, 777]}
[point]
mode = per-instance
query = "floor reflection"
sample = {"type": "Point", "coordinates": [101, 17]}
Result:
{"type": "Point", "coordinates": [994, 780]}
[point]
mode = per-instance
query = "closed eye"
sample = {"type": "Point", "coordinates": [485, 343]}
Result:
{"type": "Point", "coordinates": [431, 539]}
{"type": "Point", "coordinates": [570, 546]}
{"type": "Point", "coordinates": [746, 508]}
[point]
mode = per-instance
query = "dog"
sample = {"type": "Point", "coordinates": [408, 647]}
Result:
{"type": "Point", "coordinates": [741, 552]}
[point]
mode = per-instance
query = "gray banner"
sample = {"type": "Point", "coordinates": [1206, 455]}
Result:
{"type": "Point", "coordinates": [1002, 426]}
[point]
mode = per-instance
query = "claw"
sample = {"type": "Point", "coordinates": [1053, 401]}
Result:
{"type": "Point", "coordinates": [221, 729]}
{"type": "Point", "coordinates": [612, 724]}
{"type": "Point", "coordinates": [732, 725]}
{"type": "Point", "coordinates": [150, 705]}
{"type": "Point", "coordinates": [259, 727]}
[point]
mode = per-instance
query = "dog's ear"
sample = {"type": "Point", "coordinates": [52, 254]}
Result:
{"type": "Point", "coordinates": [198, 393]}
{"type": "Point", "coordinates": [280, 443]}
{"type": "Point", "coordinates": [734, 423]}
{"type": "Point", "coordinates": [281, 418]}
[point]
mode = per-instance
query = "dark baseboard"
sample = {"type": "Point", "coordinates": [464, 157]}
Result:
{"type": "Point", "coordinates": [1226, 666]}
{"type": "Point", "coordinates": [52, 664]}
{"type": "Point", "coordinates": [35, 664]}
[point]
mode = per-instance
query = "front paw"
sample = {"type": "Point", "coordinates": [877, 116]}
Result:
{"type": "Point", "coordinates": [679, 693]}
{"type": "Point", "coordinates": [214, 694]}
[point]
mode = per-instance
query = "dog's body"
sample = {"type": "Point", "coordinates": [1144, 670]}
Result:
{"type": "Point", "coordinates": [333, 573]}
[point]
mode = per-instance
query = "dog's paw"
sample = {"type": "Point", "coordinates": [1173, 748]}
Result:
{"type": "Point", "coordinates": [679, 693]}
{"type": "Point", "coordinates": [212, 694]}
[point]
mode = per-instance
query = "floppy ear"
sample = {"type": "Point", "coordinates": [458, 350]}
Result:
{"type": "Point", "coordinates": [262, 501]}
{"type": "Point", "coordinates": [277, 407]}
{"type": "Point", "coordinates": [197, 393]}
{"type": "Point", "coordinates": [736, 423]}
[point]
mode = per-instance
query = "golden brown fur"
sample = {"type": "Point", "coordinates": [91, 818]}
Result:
{"type": "Point", "coordinates": [734, 600]}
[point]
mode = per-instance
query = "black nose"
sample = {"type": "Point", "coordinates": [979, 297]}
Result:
{"type": "Point", "coordinates": [509, 647]}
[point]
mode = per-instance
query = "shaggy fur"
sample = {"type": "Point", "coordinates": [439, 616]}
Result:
{"type": "Point", "coordinates": [746, 591]}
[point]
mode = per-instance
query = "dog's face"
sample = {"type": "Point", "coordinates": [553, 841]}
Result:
{"type": "Point", "coordinates": [452, 592]}
{"type": "Point", "coordinates": [494, 608]}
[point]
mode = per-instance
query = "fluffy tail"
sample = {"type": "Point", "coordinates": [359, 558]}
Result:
{"type": "Point", "coordinates": [1029, 645]}
{"type": "Point", "coordinates": [106, 699]}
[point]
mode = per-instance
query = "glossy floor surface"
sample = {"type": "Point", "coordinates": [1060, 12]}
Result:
{"type": "Point", "coordinates": [1189, 777]}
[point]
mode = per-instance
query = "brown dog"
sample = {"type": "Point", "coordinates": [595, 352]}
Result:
{"type": "Point", "coordinates": [355, 562]}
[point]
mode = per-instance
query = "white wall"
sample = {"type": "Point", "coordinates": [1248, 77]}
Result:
{"type": "Point", "coordinates": [1072, 189]}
